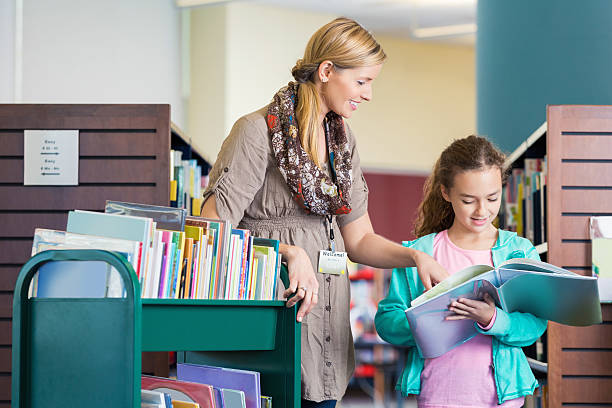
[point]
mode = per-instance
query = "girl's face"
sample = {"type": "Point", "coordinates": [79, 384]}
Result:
{"type": "Point", "coordinates": [345, 89]}
{"type": "Point", "coordinates": [475, 197]}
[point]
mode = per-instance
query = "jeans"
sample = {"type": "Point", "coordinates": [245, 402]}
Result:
{"type": "Point", "coordinates": [322, 404]}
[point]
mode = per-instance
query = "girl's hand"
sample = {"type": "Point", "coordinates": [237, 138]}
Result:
{"type": "Point", "coordinates": [481, 311]}
{"type": "Point", "coordinates": [430, 271]}
{"type": "Point", "coordinates": [303, 283]}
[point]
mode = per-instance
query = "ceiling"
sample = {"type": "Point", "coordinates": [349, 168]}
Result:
{"type": "Point", "coordinates": [427, 20]}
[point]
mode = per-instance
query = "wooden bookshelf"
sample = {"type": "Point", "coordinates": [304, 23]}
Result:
{"type": "Point", "coordinates": [122, 151]}
{"type": "Point", "coordinates": [180, 141]}
{"type": "Point", "coordinates": [579, 148]}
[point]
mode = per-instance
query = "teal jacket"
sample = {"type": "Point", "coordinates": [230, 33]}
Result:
{"type": "Point", "coordinates": [510, 331]}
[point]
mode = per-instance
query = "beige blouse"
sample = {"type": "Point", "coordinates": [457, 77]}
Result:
{"type": "Point", "coordinates": [251, 192]}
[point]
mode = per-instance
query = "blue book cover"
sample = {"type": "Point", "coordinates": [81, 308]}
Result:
{"type": "Point", "coordinates": [523, 285]}
{"type": "Point", "coordinates": [73, 279]}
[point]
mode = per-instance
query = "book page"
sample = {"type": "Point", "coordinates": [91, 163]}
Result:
{"type": "Point", "coordinates": [455, 279]}
{"type": "Point", "coordinates": [528, 264]}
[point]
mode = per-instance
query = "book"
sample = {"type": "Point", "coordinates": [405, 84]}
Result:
{"type": "Point", "coordinates": [233, 398]}
{"type": "Point", "coordinates": [266, 402]}
{"type": "Point", "coordinates": [521, 284]}
{"type": "Point", "coordinates": [169, 218]}
{"type": "Point", "coordinates": [202, 394]}
{"type": "Point", "coordinates": [114, 226]}
{"type": "Point", "coordinates": [601, 255]}
{"type": "Point", "coordinates": [184, 404]}
{"type": "Point", "coordinates": [221, 247]}
{"type": "Point", "coordinates": [272, 266]}
{"type": "Point", "coordinates": [99, 280]}
{"type": "Point", "coordinates": [224, 378]}
{"type": "Point", "coordinates": [154, 399]}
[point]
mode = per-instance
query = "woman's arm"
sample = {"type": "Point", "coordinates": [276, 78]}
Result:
{"type": "Point", "coordinates": [301, 273]}
{"type": "Point", "coordinates": [366, 247]}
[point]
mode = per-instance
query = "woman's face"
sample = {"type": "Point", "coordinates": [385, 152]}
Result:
{"type": "Point", "coordinates": [345, 89]}
{"type": "Point", "coordinates": [475, 197]}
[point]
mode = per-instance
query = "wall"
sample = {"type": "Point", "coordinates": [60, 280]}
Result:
{"type": "Point", "coordinates": [534, 53]}
{"type": "Point", "coordinates": [264, 42]}
{"type": "Point", "coordinates": [7, 48]}
{"type": "Point", "coordinates": [207, 113]}
{"type": "Point", "coordinates": [393, 202]}
{"type": "Point", "coordinates": [423, 98]}
{"type": "Point", "coordinates": [102, 52]}
{"type": "Point", "coordinates": [242, 53]}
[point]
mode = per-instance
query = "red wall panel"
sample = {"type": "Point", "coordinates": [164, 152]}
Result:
{"type": "Point", "coordinates": [393, 202]}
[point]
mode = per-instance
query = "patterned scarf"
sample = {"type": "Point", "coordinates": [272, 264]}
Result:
{"type": "Point", "coordinates": [314, 190]}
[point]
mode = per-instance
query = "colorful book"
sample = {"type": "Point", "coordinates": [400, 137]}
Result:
{"type": "Point", "coordinates": [521, 284]}
{"type": "Point", "coordinates": [202, 394]}
{"type": "Point", "coordinates": [224, 378]}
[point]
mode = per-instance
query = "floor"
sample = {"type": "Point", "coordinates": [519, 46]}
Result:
{"type": "Point", "coordinates": [357, 397]}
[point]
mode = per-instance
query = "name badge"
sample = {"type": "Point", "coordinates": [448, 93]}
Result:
{"type": "Point", "coordinates": [332, 262]}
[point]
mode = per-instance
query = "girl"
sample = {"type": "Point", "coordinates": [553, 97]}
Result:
{"type": "Point", "coordinates": [290, 171]}
{"type": "Point", "coordinates": [462, 198]}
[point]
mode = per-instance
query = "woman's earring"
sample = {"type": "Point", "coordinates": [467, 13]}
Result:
{"type": "Point", "coordinates": [323, 79]}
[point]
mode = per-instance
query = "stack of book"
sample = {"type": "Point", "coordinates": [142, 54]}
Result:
{"type": "Point", "coordinates": [175, 256]}
{"type": "Point", "coordinates": [524, 201]}
{"type": "Point", "coordinates": [204, 387]}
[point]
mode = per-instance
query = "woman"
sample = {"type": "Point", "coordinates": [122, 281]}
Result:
{"type": "Point", "coordinates": [289, 171]}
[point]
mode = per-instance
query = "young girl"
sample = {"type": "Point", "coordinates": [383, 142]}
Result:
{"type": "Point", "coordinates": [462, 198]}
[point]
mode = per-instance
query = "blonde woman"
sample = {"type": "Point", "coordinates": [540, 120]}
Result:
{"type": "Point", "coordinates": [291, 170]}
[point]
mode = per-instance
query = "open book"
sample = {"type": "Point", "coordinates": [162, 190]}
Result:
{"type": "Point", "coordinates": [521, 284]}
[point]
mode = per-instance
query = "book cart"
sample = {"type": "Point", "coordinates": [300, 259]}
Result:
{"type": "Point", "coordinates": [86, 351]}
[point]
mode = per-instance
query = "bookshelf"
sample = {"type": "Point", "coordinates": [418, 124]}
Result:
{"type": "Point", "coordinates": [579, 149]}
{"type": "Point", "coordinates": [180, 141]}
{"type": "Point", "coordinates": [578, 145]}
{"type": "Point", "coordinates": [534, 147]}
{"type": "Point", "coordinates": [121, 149]}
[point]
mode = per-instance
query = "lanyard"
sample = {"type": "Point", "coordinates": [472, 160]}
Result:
{"type": "Point", "coordinates": [330, 218]}
{"type": "Point", "coordinates": [330, 221]}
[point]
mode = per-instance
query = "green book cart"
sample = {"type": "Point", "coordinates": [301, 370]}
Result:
{"type": "Point", "coordinates": [245, 334]}
{"type": "Point", "coordinates": [76, 352]}
{"type": "Point", "coordinates": [81, 351]}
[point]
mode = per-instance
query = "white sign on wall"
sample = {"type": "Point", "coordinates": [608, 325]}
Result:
{"type": "Point", "coordinates": [51, 157]}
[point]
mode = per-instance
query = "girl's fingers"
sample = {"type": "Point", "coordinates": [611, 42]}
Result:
{"type": "Point", "coordinates": [456, 317]}
{"type": "Point", "coordinates": [489, 300]}
{"type": "Point", "coordinates": [469, 302]}
{"type": "Point", "coordinates": [459, 311]}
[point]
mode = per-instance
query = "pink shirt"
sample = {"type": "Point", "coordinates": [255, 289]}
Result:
{"type": "Point", "coordinates": [462, 377]}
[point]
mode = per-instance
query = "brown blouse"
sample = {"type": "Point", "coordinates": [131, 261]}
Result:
{"type": "Point", "coordinates": [251, 192]}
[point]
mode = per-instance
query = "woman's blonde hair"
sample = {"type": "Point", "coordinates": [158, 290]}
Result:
{"type": "Point", "coordinates": [347, 45]}
{"type": "Point", "coordinates": [435, 214]}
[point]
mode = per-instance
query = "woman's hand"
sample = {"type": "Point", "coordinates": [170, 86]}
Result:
{"type": "Point", "coordinates": [430, 271]}
{"type": "Point", "coordinates": [481, 311]}
{"type": "Point", "coordinates": [303, 283]}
